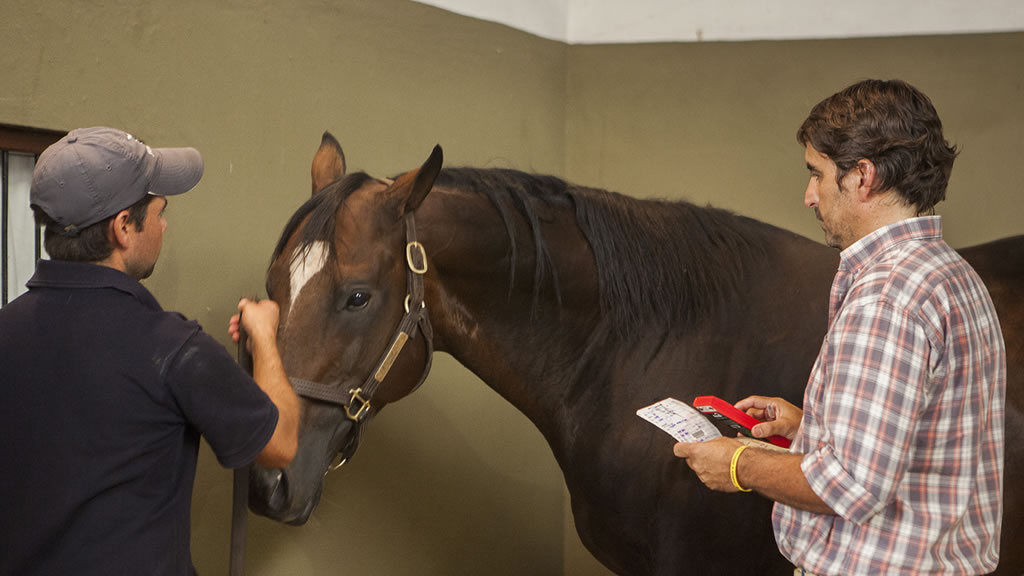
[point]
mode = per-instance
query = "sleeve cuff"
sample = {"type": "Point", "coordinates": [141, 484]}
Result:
{"type": "Point", "coordinates": [253, 447]}
{"type": "Point", "coordinates": [837, 488]}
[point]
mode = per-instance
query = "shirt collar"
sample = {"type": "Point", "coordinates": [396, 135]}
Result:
{"type": "Point", "coordinates": [83, 275]}
{"type": "Point", "coordinates": [865, 250]}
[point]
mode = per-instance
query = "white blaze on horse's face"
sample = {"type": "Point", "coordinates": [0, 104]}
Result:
{"type": "Point", "coordinates": [305, 266]}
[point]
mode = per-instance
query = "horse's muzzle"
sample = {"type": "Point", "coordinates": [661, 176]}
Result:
{"type": "Point", "coordinates": [269, 496]}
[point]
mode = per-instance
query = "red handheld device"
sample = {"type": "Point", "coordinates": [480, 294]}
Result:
{"type": "Point", "coordinates": [728, 417]}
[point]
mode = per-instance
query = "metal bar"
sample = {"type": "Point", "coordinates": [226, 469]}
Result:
{"type": "Point", "coordinates": [240, 484]}
{"type": "Point", "coordinates": [5, 208]}
{"type": "Point", "coordinates": [38, 231]}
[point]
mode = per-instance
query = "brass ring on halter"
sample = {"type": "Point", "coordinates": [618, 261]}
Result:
{"type": "Point", "coordinates": [407, 296]}
{"type": "Point", "coordinates": [408, 257]}
{"type": "Point", "coordinates": [339, 464]}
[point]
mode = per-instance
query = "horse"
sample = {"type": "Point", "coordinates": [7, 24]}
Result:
{"type": "Point", "coordinates": [578, 306]}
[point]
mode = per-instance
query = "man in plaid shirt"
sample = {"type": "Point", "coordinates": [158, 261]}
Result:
{"type": "Point", "coordinates": [897, 459]}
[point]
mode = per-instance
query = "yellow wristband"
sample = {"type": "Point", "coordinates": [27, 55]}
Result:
{"type": "Point", "coordinates": [732, 468]}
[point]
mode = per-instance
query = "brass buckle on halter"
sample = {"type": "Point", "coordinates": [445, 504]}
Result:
{"type": "Point", "coordinates": [364, 405]}
{"type": "Point", "coordinates": [423, 256]}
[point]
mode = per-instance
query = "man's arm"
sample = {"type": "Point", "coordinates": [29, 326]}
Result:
{"type": "Point", "coordinates": [260, 320]}
{"type": "Point", "coordinates": [778, 476]}
{"type": "Point", "coordinates": [773, 474]}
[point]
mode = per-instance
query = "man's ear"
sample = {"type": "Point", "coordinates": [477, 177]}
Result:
{"type": "Point", "coordinates": [867, 177]}
{"type": "Point", "coordinates": [118, 229]}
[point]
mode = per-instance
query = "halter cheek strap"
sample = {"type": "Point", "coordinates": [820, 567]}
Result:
{"type": "Point", "coordinates": [357, 401]}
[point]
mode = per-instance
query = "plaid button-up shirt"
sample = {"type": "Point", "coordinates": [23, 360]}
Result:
{"type": "Point", "coordinates": [903, 415]}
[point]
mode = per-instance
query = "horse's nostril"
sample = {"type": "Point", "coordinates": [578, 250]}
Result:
{"type": "Point", "coordinates": [268, 489]}
{"type": "Point", "coordinates": [277, 489]}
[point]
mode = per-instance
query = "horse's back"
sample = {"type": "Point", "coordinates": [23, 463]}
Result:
{"type": "Point", "coordinates": [1000, 264]}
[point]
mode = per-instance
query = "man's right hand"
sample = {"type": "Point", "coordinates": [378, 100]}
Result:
{"type": "Point", "coordinates": [779, 417]}
{"type": "Point", "coordinates": [260, 320]}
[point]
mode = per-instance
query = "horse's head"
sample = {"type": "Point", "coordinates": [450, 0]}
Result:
{"type": "Point", "coordinates": [348, 277]}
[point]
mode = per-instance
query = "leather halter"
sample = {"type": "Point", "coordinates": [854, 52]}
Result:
{"type": "Point", "coordinates": [357, 401]}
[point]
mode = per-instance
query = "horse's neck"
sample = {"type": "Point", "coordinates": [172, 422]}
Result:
{"type": "Point", "coordinates": [523, 345]}
{"type": "Point", "coordinates": [555, 356]}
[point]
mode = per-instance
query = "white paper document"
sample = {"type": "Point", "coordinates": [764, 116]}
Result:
{"type": "Point", "coordinates": [682, 421]}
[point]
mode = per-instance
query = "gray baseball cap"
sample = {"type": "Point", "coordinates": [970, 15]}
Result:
{"type": "Point", "coordinates": [94, 173]}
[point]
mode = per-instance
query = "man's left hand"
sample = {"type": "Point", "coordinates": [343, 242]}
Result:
{"type": "Point", "coordinates": [710, 460]}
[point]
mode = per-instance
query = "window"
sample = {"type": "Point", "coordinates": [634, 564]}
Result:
{"type": "Point", "coordinates": [21, 241]}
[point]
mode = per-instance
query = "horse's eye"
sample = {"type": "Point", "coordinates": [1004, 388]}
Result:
{"type": "Point", "coordinates": [357, 300]}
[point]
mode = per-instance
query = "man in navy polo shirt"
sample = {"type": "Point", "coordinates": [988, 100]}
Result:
{"type": "Point", "coordinates": [104, 394]}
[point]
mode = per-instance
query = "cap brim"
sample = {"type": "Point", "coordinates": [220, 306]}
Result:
{"type": "Point", "coordinates": [177, 171]}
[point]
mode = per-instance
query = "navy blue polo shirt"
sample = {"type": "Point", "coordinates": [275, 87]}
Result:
{"type": "Point", "coordinates": [104, 397]}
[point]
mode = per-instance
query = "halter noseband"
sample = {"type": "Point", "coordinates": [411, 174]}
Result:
{"type": "Point", "coordinates": [356, 401]}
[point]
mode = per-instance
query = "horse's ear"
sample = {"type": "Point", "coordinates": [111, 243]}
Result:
{"type": "Point", "coordinates": [412, 187]}
{"type": "Point", "coordinates": [328, 163]}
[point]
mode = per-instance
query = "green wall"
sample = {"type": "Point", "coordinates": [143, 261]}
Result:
{"type": "Point", "coordinates": [716, 122]}
{"type": "Point", "coordinates": [453, 480]}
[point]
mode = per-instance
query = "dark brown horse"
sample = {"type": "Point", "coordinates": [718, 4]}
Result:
{"type": "Point", "coordinates": [578, 306]}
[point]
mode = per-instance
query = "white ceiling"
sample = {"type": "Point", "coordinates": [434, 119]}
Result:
{"type": "Point", "coordinates": [632, 21]}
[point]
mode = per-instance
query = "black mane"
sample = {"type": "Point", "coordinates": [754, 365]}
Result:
{"type": "Point", "coordinates": [660, 263]}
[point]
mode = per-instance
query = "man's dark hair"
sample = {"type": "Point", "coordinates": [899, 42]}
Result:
{"type": "Point", "coordinates": [91, 243]}
{"type": "Point", "coordinates": [892, 124]}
